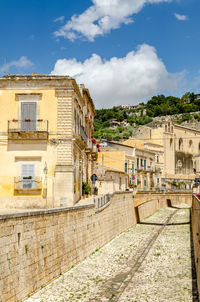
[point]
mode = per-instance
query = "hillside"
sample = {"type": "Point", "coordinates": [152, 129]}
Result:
{"type": "Point", "coordinates": [118, 122]}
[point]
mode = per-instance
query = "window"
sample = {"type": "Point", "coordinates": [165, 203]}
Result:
{"type": "Point", "coordinates": [126, 167]}
{"type": "Point", "coordinates": [78, 129]}
{"type": "Point", "coordinates": [145, 164]}
{"type": "Point", "coordinates": [141, 163]}
{"type": "Point", "coordinates": [75, 120]}
{"type": "Point", "coordinates": [28, 176]}
{"type": "Point", "coordinates": [132, 167]}
{"type": "Point", "coordinates": [137, 163]}
{"type": "Point", "coordinates": [190, 146]}
{"type": "Point", "coordinates": [180, 144]}
{"type": "Point", "coordinates": [28, 116]}
{"type": "Point", "coordinates": [145, 183]}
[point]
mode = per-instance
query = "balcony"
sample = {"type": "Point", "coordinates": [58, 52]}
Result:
{"type": "Point", "coordinates": [28, 129]}
{"type": "Point", "coordinates": [27, 186]}
{"type": "Point", "coordinates": [83, 134]}
{"type": "Point", "coordinates": [146, 169]}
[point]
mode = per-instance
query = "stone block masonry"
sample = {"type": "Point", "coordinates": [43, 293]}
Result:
{"type": "Point", "coordinates": [195, 215]}
{"type": "Point", "coordinates": [36, 247]}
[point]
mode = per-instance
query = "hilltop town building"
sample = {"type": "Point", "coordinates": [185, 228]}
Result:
{"type": "Point", "coordinates": [138, 163]}
{"type": "Point", "coordinates": [181, 150]}
{"type": "Point", "coordinates": [46, 128]}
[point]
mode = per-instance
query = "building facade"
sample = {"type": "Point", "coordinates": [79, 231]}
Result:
{"type": "Point", "coordinates": [46, 128]}
{"type": "Point", "coordinates": [181, 150]}
{"type": "Point", "coordinates": [137, 163]}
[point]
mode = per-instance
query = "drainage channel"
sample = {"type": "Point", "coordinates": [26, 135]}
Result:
{"type": "Point", "coordinates": [114, 289]}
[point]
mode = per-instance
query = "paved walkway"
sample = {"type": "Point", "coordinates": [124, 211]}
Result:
{"type": "Point", "coordinates": [149, 262]}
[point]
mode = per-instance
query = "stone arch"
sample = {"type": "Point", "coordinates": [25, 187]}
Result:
{"type": "Point", "coordinates": [180, 144]}
{"type": "Point", "coordinates": [190, 145]}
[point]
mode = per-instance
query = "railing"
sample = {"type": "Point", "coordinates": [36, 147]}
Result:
{"type": "Point", "coordinates": [83, 134]}
{"type": "Point", "coordinates": [27, 183]}
{"type": "Point", "coordinates": [28, 125]}
{"type": "Point", "coordinates": [141, 168]}
{"type": "Point", "coordinates": [166, 191]}
{"type": "Point", "coordinates": [101, 201]}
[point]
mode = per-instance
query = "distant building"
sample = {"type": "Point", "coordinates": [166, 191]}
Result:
{"type": "Point", "coordinates": [181, 147]}
{"type": "Point", "coordinates": [130, 106]}
{"type": "Point", "coordinates": [138, 163]}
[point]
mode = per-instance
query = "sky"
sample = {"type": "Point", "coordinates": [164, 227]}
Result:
{"type": "Point", "coordinates": [124, 51]}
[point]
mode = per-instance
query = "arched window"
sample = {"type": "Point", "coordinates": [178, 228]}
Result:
{"type": "Point", "coordinates": [180, 144]}
{"type": "Point", "coordinates": [165, 128]}
{"type": "Point", "coordinates": [179, 166]}
{"type": "Point", "coordinates": [171, 141]}
{"type": "Point", "coordinates": [199, 147]}
{"type": "Point", "coordinates": [190, 145]}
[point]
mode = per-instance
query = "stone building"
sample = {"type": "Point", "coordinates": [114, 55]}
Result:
{"type": "Point", "coordinates": [157, 161]}
{"type": "Point", "coordinates": [181, 147]}
{"type": "Point", "coordinates": [138, 163]}
{"type": "Point", "coordinates": [46, 128]}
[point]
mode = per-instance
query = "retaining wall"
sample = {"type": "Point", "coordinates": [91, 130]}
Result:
{"type": "Point", "coordinates": [36, 247]}
{"type": "Point", "coordinates": [195, 213]}
{"type": "Point", "coordinates": [147, 204]}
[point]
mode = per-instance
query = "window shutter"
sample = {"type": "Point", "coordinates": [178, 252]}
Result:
{"type": "Point", "coordinates": [28, 176]}
{"type": "Point", "coordinates": [28, 112]}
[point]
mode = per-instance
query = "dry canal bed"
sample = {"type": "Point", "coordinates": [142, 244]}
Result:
{"type": "Point", "coordinates": [149, 262]}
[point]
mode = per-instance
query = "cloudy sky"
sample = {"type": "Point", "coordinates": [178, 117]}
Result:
{"type": "Point", "coordinates": [124, 51]}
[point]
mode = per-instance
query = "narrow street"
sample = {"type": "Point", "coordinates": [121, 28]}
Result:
{"type": "Point", "coordinates": [149, 262]}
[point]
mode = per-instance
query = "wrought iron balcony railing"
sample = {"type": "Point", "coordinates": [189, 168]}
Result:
{"type": "Point", "coordinates": [28, 125]}
{"type": "Point", "coordinates": [27, 184]}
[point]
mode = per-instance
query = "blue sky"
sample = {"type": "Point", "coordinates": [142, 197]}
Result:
{"type": "Point", "coordinates": [124, 51]}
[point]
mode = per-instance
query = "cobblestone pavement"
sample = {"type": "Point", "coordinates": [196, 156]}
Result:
{"type": "Point", "coordinates": [148, 262]}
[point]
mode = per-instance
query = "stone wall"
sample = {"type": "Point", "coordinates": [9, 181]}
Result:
{"type": "Point", "coordinates": [196, 235]}
{"type": "Point", "coordinates": [147, 204]}
{"type": "Point", "coordinates": [36, 247]}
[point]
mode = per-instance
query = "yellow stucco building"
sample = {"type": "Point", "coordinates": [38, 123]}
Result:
{"type": "Point", "coordinates": [46, 148]}
{"type": "Point", "coordinates": [137, 162]}
{"type": "Point", "coordinates": [181, 152]}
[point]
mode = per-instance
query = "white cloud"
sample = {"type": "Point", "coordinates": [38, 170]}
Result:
{"type": "Point", "coordinates": [59, 19]}
{"type": "Point", "coordinates": [23, 62]}
{"type": "Point", "coordinates": [128, 80]}
{"type": "Point", "coordinates": [101, 17]}
{"type": "Point", "coordinates": [180, 17]}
